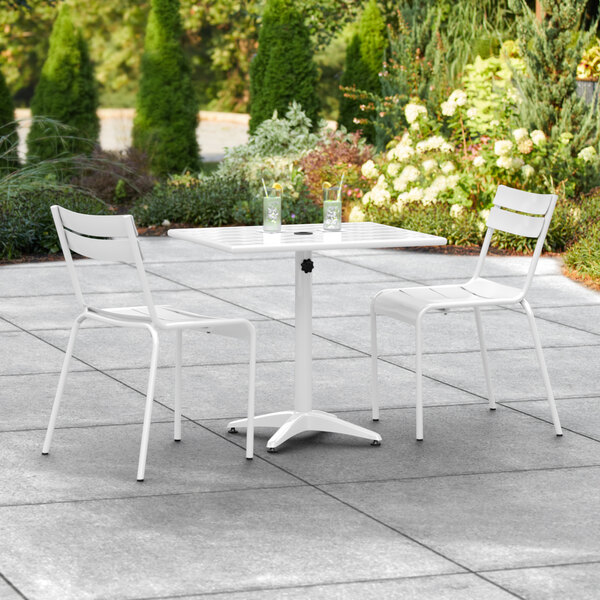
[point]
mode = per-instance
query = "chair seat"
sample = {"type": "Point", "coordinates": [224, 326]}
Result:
{"type": "Point", "coordinates": [407, 303]}
{"type": "Point", "coordinates": [170, 317]}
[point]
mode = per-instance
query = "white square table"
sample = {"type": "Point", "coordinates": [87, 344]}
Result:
{"type": "Point", "coordinates": [303, 240]}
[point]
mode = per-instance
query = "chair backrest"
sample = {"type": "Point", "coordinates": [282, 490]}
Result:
{"type": "Point", "coordinates": [532, 219]}
{"type": "Point", "coordinates": [101, 237]}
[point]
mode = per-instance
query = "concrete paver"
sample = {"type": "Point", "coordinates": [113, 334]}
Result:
{"type": "Point", "coordinates": [490, 505]}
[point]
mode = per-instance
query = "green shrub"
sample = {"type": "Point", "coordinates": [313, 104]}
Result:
{"type": "Point", "coordinates": [583, 256]}
{"type": "Point", "coordinates": [167, 109]}
{"type": "Point", "coordinates": [353, 78]}
{"type": "Point", "coordinates": [272, 153]}
{"type": "Point", "coordinates": [9, 158]}
{"type": "Point", "coordinates": [206, 201]}
{"type": "Point", "coordinates": [26, 225]}
{"type": "Point", "coordinates": [67, 93]}
{"type": "Point", "coordinates": [283, 69]}
{"type": "Point", "coordinates": [293, 210]}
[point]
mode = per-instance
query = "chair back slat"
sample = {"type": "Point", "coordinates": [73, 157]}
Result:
{"type": "Point", "coordinates": [511, 222]}
{"type": "Point", "coordinates": [117, 250]}
{"type": "Point", "coordinates": [110, 238]}
{"type": "Point", "coordinates": [527, 202]}
{"type": "Point", "coordinates": [107, 226]}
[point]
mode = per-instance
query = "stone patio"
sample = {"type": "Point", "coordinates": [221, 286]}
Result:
{"type": "Point", "coordinates": [492, 505]}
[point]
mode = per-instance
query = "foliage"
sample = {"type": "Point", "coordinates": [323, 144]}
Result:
{"type": "Point", "coordinates": [167, 109]}
{"type": "Point", "coordinates": [283, 69]}
{"type": "Point", "coordinates": [272, 153]}
{"type": "Point", "coordinates": [488, 84]}
{"type": "Point", "coordinates": [9, 158]}
{"type": "Point", "coordinates": [589, 66]}
{"type": "Point", "coordinates": [551, 51]}
{"type": "Point", "coordinates": [114, 177]}
{"type": "Point", "coordinates": [364, 57]}
{"type": "Point", "coordinates": [293, 210]}
{"type": "Point", "coordinates": [201, 201]}
{"type": "Point", "coordinates": [26, 225]}
{"type": "Point", "coordinates": [66, 92]}
{"type": "Point", "coordinates": [337, 154]}
{"type": "Point", "coordinates": [583, 256]}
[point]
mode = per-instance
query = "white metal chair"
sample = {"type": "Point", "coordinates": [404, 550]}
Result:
{"type": "Point", "coordinates": [114, 238]}
{"type": "Point", "coordinates": [411, 304]}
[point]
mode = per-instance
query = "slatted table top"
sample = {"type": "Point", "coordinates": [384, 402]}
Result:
{"type": "Point", "coordinates": [306, 237]}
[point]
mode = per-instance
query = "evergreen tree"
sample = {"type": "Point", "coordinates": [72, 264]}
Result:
{"type": "Point", "coordinates": [552, 50]}
{"type": "Point", "coordinates": [283, 69]}
{"type": "Point", "coordinates": [354, 78]}
{"type": "Point", "coordinates": [167, 107]}
{"type": "Point", "coordinates": [9, 140]}
{"type": "Point", "coordinates": [66, 92]}
{"type": "Point", "coordinates": [364, 60]}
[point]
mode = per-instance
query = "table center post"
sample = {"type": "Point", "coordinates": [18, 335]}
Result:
{"type": "Point", "coordinates": [303, 331]}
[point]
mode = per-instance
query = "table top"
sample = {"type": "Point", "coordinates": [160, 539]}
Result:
{"type": "Point", "coordinates": [306, 237]}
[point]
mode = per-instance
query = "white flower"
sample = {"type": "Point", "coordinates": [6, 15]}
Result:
{"type": "Point", "coordinates": [369, 170]}
{"type": "Point", "coordinates": [587, 154]}
{"type": "Point", "coordinates": [494, 123]}
{"type": "Point", "coordinates": [520, 134]}
{"type": "Point", "coordinates": [458, 97]}
{"type": "Point", "coordinates": [366, 198]}
{"type": "Point", "coordinates": [478, 161]}
{"type": "Point", "coordinates": [430, 196]}
{"type": "Point", "coordinates": [503, 147]}
{"type": "Point", "coordinates": [380, 194]}
{"type": "Point", "coordinates": [434, 142]}
{"type": "Point", "coordinates": [415, 126]}
{"type": "Point", "coordinates": [400, 184]}
{"type": "Point", "coordinates": [517, 163]}
{"type": "Point", "coordinates": [356, 215]}
{"type": "Point", "coordinates": [403, 149]}
{"type": "Point", "coordinates": [166, 223]}
{"type": "Point", "coordinates": [446, 147]}
{"type": "Point", "coordinates": [525, 146]}
{"type": "Point", "coordinates": [429, 165]}
{"type": "Point", "coordinates": [448, 108]}
{"type": "Point", "coordinates": [410, 173]}
{"type": "Point", "coordinates": [527, 171]}
{"type": "Point", "coordinates": [393, 169]}
{"type": "Point", "coordinates": [504, 162]}
{"type": "Point", "coordinates": [452, 181]}
{"type": "Point", "coordinates": [448, 167]}
{"type": "Point", "coordinates": [456, 210]}
{"type": "Point", "coordinates": [538, 137]}
{"type": "Point", "coordinates": [412, 112]}
{"type": "Point", "coordinates": [472, 113]}
{"type": "Point", "coordinates": [415, 194]}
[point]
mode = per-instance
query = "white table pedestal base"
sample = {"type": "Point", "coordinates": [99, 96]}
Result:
{"type": "Point", "coordinates": [303, 417]}
{"type": "Point", "coordinates": [291, 423]}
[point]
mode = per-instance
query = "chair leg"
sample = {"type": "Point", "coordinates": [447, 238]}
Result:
{"type": "Point", "coordinates": [251, 395]}
{"type": "Point", "coordinates": [177, 408]}
{"type": "Point", "coordinates": [419, 374]}
{"type": "Point", "coordinates": [148, 409]}
{"type": "Point", "coordinates": [484, 359]}
{"type": "Point", "coordinates": [374, 356]}
{"type": "Point", "coordinates": [542, 364]}
{"type": "Point", "coordinates": [61, 384]}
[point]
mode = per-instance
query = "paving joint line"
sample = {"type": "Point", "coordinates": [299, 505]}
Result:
{"type": "Point", "coordinates": [300, 586]}
{"type": "Point", "coordinates": [547, 566]}
{"type": "Point", "coordinates": [11, 585]}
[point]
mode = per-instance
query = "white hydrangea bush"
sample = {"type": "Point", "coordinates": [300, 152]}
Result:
{"type": "Point", "coordinates": [439, 159]}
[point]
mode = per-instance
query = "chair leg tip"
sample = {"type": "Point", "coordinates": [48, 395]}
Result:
{"type": "Point", "coordinates": [376, 420]}
{"type": "Point", "coordinates": [140, 480]}
{"type": "Point", "coordinates": [249, 457]}
{"type": "Point", "coordinates": [492, 408]}
{"type": "Point", "coordinates": [177, 440]}
{"type": "Point", "coordinates": [559, 435]}
{"type": "Point", "coordinates": [419, 439]}
{"type": "Point", "coordinates": [44, 454]}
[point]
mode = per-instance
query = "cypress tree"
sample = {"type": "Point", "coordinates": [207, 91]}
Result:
{"type": "Point", "coordinates": [354, 78]}
{"type": "Point", "coordinates": [9, 140]}
{"type": "Point", "coordinates": [66, 92]}
{"type": "Point", "coordinates": [552, 50]}
{"type": "Point", "coordinates": [364, 60]}
{"type": "Point", "coordinates": [166, 106]}
{"type": "Point", "coordinates": [283, 69]}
